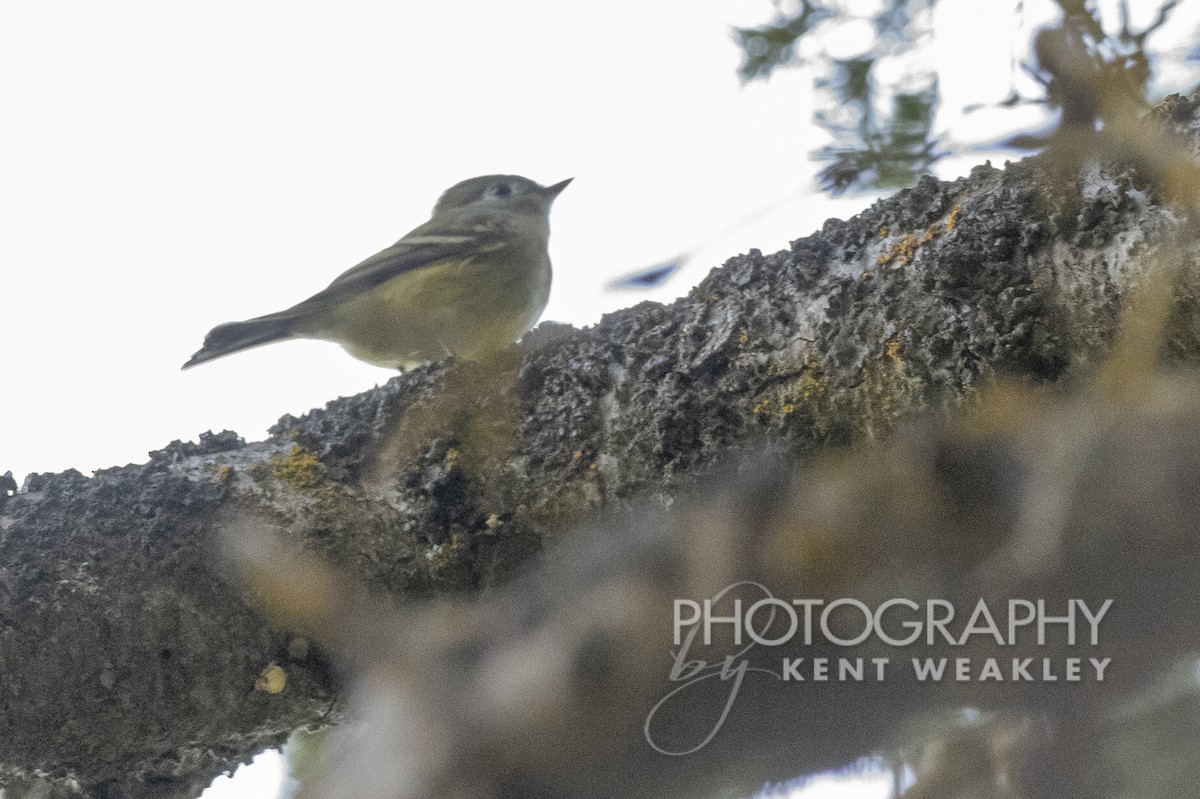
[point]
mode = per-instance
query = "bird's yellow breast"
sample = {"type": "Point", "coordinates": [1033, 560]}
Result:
{"type": "Point", "coordinates": [461, 307]}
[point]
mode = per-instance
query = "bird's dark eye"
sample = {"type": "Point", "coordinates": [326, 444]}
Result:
{"type": "Point", "coordinates": [499, 190]}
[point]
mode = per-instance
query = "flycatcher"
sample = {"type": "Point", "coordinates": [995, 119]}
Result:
{"type": "Point", "coordinates": [471, 280]}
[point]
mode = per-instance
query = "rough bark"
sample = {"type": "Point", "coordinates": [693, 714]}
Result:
{"type": "Point", "coordinates": [129, 651]}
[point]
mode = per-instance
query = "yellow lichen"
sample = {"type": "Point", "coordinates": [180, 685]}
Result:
{"type": "Point", "coordinates": [767, 408]}
{"type": "Point", "coordinates": [810, 386]}
{"type": "Point", "coordinates": [272, 680]}
{"type": "Point", "coordinates": [299, 467]}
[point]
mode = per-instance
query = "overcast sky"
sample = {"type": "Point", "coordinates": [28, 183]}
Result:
{"type": "Point", "coordinates": [166, 167]}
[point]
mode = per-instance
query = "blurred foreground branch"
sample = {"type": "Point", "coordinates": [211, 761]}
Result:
{"type": "Point", "coordinates": [557, 685]}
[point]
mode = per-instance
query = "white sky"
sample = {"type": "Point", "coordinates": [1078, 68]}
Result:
{"type": "Point", "coordinates": [165, 167]}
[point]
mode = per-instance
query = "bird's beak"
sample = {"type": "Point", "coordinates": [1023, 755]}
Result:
{"type": "Point", "coordinates": [551, 192]}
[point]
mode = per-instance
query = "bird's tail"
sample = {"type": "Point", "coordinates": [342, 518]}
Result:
{"type": "Point", "coordinates": [234, 337]}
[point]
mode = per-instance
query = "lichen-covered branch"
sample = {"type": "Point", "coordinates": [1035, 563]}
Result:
{"type": "Point", "coordinates": [130, 651]}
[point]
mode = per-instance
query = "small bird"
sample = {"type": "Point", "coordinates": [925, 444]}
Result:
{"type": "Point", "coordinates": [471, 280]}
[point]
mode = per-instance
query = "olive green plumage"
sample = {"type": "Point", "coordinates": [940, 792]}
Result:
{"type": "Point", "coordinates": [471, 280]}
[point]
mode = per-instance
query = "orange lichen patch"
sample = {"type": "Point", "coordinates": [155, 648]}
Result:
{"type": "Point", "coordinates": [452, 457]}
{"type": "Point", "coordinates": [883, 232]}
{"type": "Point", "coordinates": [904, 250]}
{"type": "Point", "coordinates": [900, 251]}
{"type": "Point", "coordinates": [743, 337]}
{"type": "Point", "coordinates": [894, 346]}
{"type": "Point", "coordinates": [952, 220]}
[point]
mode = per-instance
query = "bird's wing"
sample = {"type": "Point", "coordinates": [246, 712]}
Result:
{"type": "Point", "coordinates": [420, 248]}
